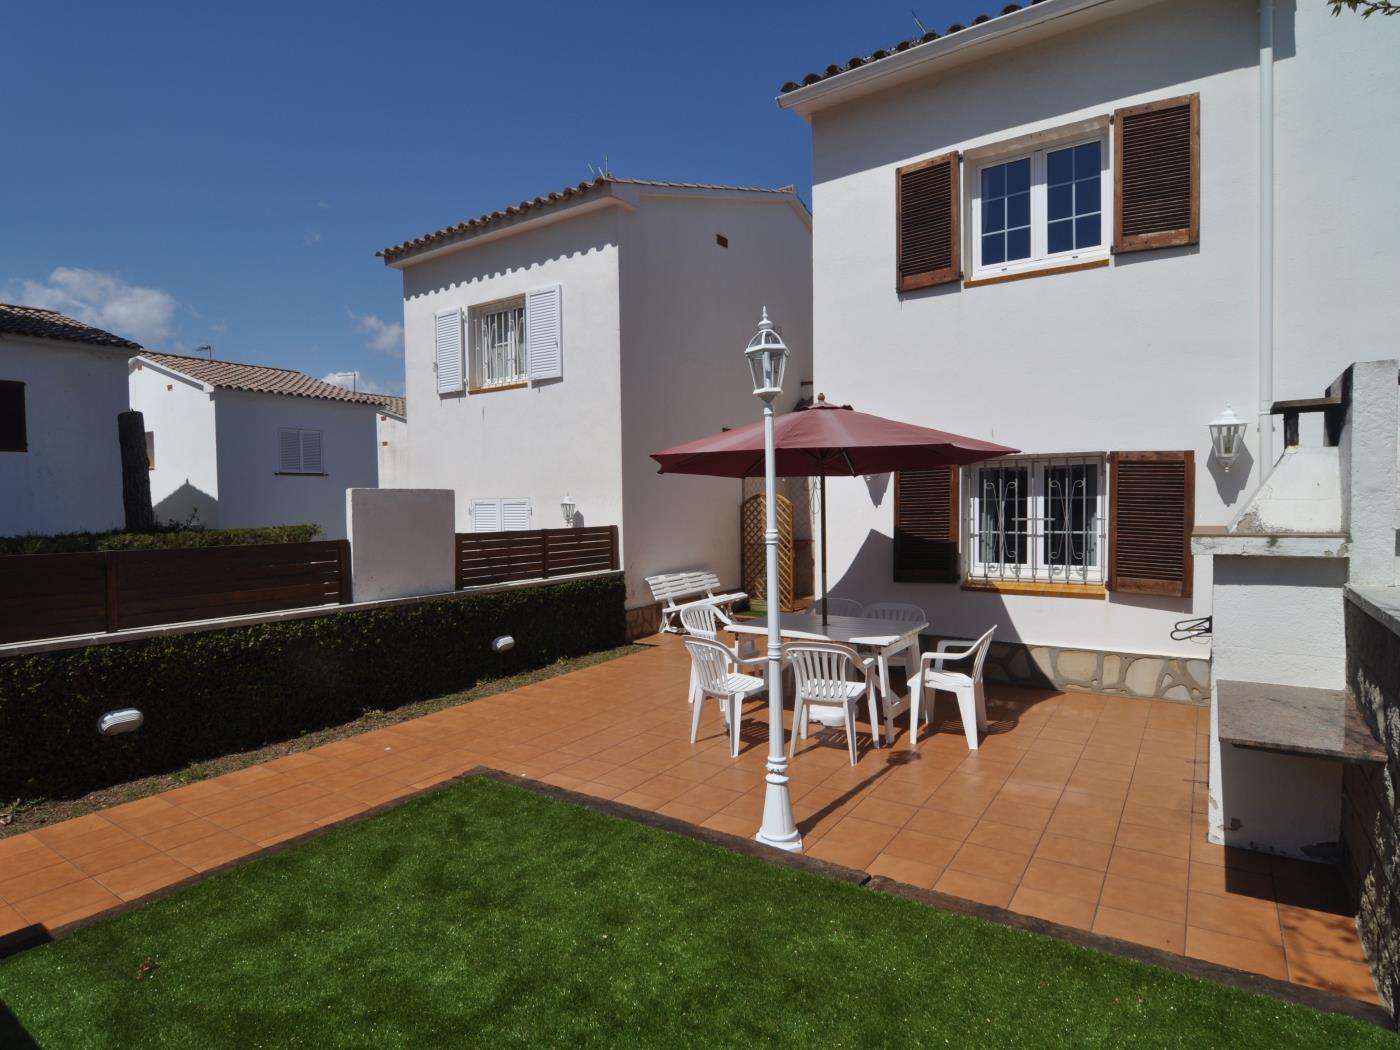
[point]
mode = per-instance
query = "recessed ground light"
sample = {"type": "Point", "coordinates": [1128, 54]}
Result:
{"type": "Point", "coordinates": [722, 240]}
{"type": "Point", "coordinates": [122, 721]}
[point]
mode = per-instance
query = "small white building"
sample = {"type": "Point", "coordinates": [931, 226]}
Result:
{"type": "Point", "coordinates": [1082, 228]}
{"type": "Point", "coordinates": [234, 445]}
{"type": "Point", "coordinates": [552, 346]}
{"type": "Point", "coordinates": [62, 385]}
{"type": "Point", "coordinates": [392, 430]}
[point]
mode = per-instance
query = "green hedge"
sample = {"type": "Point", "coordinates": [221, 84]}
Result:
{"type": "Point", "coordinates": [217, 692]}
{"type": "Point", "coordinates": [160, 539]}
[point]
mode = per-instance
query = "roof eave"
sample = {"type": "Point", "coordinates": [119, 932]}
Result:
{"type": "Point", "coordinates": [926, 58]}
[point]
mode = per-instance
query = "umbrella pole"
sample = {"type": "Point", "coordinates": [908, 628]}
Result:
{"type": "Point", "coordinates": [823, 503]}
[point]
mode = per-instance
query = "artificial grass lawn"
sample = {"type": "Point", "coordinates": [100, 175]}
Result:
{"type": "Point", "coordinates": [486, 915]}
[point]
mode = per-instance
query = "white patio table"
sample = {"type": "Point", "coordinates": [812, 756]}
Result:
{"type": "Point", "coordinates": [888, 638]}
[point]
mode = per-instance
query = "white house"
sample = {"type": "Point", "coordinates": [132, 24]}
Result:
{"type": "Point", "coordinates": [235, 445]}
{"type": "Point", "coordinates": [551, 346]}
{"type": "Point", "coordinates": [392, 433]}
{"type": "Point", "coordinates": [1082, 228]}
{"type": "Point", "coordinates": [62, 385]}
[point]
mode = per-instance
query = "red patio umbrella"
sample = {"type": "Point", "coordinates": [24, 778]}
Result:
{"type": "Point", "coordinates": [822, 440]}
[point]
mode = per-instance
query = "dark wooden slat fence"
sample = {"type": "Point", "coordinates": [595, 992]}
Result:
{"type": "Point", "coordinates": [51, 595]}
{"type": "Point", "coordinates": [534, 554]}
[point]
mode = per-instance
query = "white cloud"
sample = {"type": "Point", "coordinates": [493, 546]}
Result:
{"type": "Point", "coordinates": [106, 301]}
{"type": "Point", "coordinates": [383, 337]}
{"type": "Point", "coordinates": [314, 237]}
{"type": "Point", "coordinates": [353, 379]}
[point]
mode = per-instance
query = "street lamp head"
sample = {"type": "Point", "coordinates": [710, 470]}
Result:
{"type": "Point", "coordinates": [568, 506]}
{"type": "Point", "coordinates": [1226, 433]}
{"type": "Point", "coordinates": [767, 356]}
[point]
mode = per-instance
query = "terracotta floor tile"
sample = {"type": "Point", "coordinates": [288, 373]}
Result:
{"type": "Point", "coordinates": [17, 845]}
{"type": "Point", "coordinates": [689, 814]}
{"type": "Point", "coordinates": [1152, 899]}
{"type": "Point", "coordinates": [1012, 812]}
{"type": "Point", "coordinates": [1150, 867]}
{"type": "Point", "coordinates": [731, 825]}
{"type": "Point", "coordinates": [275, 827]}
{"type": "Point", "coordinates": [942, 823]}
{"type": "Point", "coordinates": [1238, 952]}
{"type": "Point", "coordinates": [11, 920]}
{"type": "Point", "coordinates": [376, 792]}
{"type": "Point", "coordinates": [1238, 916]}
{"type": "Point", "coordinates": [1310, 932]}
{"type": "Point", "coordinates": [902, 869]}
{"type": "Point", "coordinates": [19, 888]}
{"type": "Point", "coordinates": [931, 850]}
{"type": "Point", "coordinates": [180, 834]}
{"type": "Point", "coordinates": [1140, 929]}
{"type": "Point", "coordinates": [1067, 911]}
{"type": "Point", "coordinates": [209, 801]}
{"type": "Point", "coordinates": [213, 850]}
{"type": "Point", "coordinates": [1102, 830]}
{"type": "Point", "coordinates": [709, 797]}
{"type": "Point", "coordinates": [884, 811]}
{"type": "Point", "coordinates": [1063, 880]}
{"type": "Point", "coordinates": [145, 876]}
{"type": "Point", "coordinates": [1222, 881]}
{"type": "Point", "coordinates": [1005, 836]}
{"type": "Point", "coordinates": [989, 863]}
{"type": "Point", "coordinates": [97, 862]}
{"type": "Point", "coordinates": [1080, 852]}
{"type": "Point", "coordinates": [55, 834]}
{"type": "Point", "coordinates": [1330, 973]}
{"type": "Point", "coordinates": [976, 888]}
{"type": "Point", "coordinates": [845, 852]}
{"type": "Point", "coordinates": [603, 791]}
{"type": "Point", "coordinates": [1167, 842]}
{"type": "Point", "coordinates": [17, 864]}
{"type": "Point", "coordinates": [69, 903]}
{"type": "Point", "coordinates": [1327, 896]}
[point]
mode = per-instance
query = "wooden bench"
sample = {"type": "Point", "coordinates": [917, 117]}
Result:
{"type": "Point", "coordinates": [674, 589]}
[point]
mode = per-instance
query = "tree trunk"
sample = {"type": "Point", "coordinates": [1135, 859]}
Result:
{"type": "Point", "coordinates": [136, 478]}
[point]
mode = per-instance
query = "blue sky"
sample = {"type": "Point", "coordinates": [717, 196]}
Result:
{"type": "Point", "coordinates": [186, 174]}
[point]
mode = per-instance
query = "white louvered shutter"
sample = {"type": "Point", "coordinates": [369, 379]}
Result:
{"type": "Point", "coordinates": [515, 515]}
{"type": "Point", "coordinates": [544, 334]}
{"type": "Point", "coordinates": [311, 452]}
{"type": "Point", "coordinates": [448, 334]}
{"type": "Point", "coordinates": [289, 451]}
{"type": "Point", "coordinates": [486, 515]}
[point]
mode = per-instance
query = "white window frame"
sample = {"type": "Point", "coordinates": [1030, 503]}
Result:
{"type": "Point", "coordinates": [476, 321]}
{"type": "Point", "coordinates": [498, 503]}
{"type": "Point", "coordinates": [301, 432]}
{"type": "Point", "coordinates": [978, 566]}
{"type": "Point", "coordinates": [1035, 147]}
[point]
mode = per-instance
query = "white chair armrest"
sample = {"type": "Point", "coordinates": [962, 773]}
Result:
{"type": "Point", "coordinates": [944, 653]}
{"type": "Point", "coordinates": [743, 660]}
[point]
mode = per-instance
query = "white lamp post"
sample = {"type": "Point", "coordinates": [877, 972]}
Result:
{"type": "Point", "coordinates": [1226, 432]}
{"type": "Point", "coordinates": [767, 357]}
{"type": "Point", "coordinates": [568, 506]}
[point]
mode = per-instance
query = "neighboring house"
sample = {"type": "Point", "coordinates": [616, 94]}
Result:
{"type": "Point", "coordinates": [551, 346]}
{"type": "Point", "coordinates": [62, 385]}
{"type": "Point", "coordinates": [392, 429]}
{"type": "Point", "coordinates": [1082, 228]}
{"type": "Point", "coordinates": [234, 445]}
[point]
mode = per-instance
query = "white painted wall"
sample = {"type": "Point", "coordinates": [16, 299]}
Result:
{"type": "Point", "coordinates": [251, 492]}
{"type": "Point", "coordinates": [179, 411]}
{"type": "Point", "coordinates": [689, 309]}
{"type": "Point", "coordinates": [402, 542]}
{"type": "Point", "coordinates": [393, 449]}
{"type": "Point", "coordinates": [1140, 355]}
{"type": "Point", "coordinates": [70, 477]}
{"type": "Point", "coordinates": [535, 442]}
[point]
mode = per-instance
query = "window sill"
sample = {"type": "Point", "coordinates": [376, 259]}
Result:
{"type": "Point", "coordinates": [1044, 589]}
{"type": "Point", "coordinates": [497, 389]}
{"type": "Point", "coordinates": [14, 448]}
{"type": "Point", "coordinates": [1042, 271]}
{"type": "Point", "coordinates": [298, 474]}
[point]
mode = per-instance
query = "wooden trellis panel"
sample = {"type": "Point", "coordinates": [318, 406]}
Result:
{"type": "Point", "coordinates": [752, 515]}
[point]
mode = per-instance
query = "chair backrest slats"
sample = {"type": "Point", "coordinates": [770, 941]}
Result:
{"type": "Point", "coordinates": [702, 619]}
{"type": "Point", "coordinates": [711, 662]}
{"type": "Point", "coordinates": [823, 670]}
{"type": "Point", "coordinates": [896, 611]}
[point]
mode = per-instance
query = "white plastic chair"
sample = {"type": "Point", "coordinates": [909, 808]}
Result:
{"type": "Point", "coordinates": [705, 620]}
{"type": "Point", "coordinates": [712, 669]}
{"type": "Point", "coordinates": [826, 683]}
{"type": "Point", "coordinates": [972, 701]}
{"type": "Point", "coordinates": [896, 611]}
{"type": "Point", "coordinates": [836, 607]}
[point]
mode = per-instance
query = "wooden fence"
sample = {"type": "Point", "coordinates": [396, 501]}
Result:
{"type": "Point", "coordinates": [534, 554]}
{"type": "Point", "coordinates": [51, 595]}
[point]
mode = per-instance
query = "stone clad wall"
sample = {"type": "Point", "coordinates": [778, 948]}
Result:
{"type": "Point", "coordinates": [1370, 821]}
{"type": "Point", "coordinates": [1088, 670]}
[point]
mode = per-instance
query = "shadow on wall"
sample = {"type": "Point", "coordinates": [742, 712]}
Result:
{"type": "Point", "coordinates": [189, 504]}
{"type": "Point", "coordinates": [1171, 37]}
{"type": "Point", "coordinates": [1232, 482]}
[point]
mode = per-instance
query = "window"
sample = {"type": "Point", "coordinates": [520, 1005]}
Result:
{"type": "Point", "coordinates": [498, 355]}
{"type": "Point", "coordinates": [299, 451]}
{"type": "Point", "coordinates": [1040, 207]}
{"type": "Point", "coordinates": [1038, 520]}
{"type": "Point", "coordinates": [500, 515]}
{"type": "Point", "coordinates": [150, 450]}
{"type": "Point", "coordinates": [13, 435]}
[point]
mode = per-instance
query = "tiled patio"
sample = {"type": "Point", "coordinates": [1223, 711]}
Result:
{"type": "Point", "coordinates": [1083, 809]}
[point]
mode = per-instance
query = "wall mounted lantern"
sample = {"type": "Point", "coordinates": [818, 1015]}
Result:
{"type": "Point", "coordinates": [568, 506]}
{"type": "Point", "coordinates": [1226, 436]}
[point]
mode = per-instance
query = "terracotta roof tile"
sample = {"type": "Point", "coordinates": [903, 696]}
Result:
{"type": "Point", "coordinates": [259, 379]}
{"type": "Point", "coordinates": [857, 61]}
{"type": "Point", "coordinates": [38, 323]}
{"type": "Point", "coordinates": [484, 222]}
{"type": "Point", "coordinates": [395, 406]}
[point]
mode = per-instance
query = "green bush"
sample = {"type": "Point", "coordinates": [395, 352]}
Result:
{"type": "Point", "coordinates": [163, 537]}
{"type": "Point", "coordinates": [217, 692]}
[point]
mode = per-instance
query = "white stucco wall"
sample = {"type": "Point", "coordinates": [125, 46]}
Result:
{"type": "Point", "coordinates": [180, 413]}
{"type": "Point", "coordinates": [1139, 355]}
{"type": "Point", "coordinates": [535, 442]}
{"type": "Point", "coordinates": [689, 309]}
{"type": "Point", "coordinates": [402, 542]}
{"type": "Point", "coordinates": [393, 449]}
{"type": "Point", "coordinates": [69, 479]}
{"type": "Point", "coordinates": [251, 492]}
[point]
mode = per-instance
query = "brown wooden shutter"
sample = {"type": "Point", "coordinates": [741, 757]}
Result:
{"type": "Point", "coordinates": [926, 526]}
{"type": "Point", "coordinates": [926, 223]}
{"type": "Point", "coordinates": [1156, 174]}
{"type": "Point", "coordinates": [1152, 509]}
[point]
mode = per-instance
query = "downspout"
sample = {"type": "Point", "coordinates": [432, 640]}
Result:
{"type": "Point", "coordinates": [1266, 237]}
